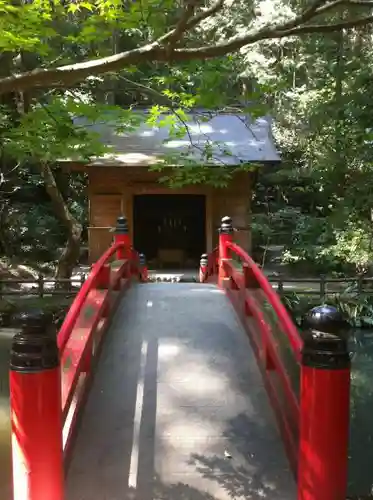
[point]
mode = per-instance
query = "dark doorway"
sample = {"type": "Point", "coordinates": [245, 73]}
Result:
{"type": "Point", "coordinates": [170, 229]}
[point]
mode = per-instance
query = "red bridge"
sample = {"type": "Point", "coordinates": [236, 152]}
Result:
{"type": "Point", "coordinates": [195, 391]}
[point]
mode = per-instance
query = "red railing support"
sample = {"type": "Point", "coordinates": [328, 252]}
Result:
{"type": "Point", "coordinates": [121, 235]}
{"type": "Point", "coordinates": [103, 279]}
{"type": "Point", "coordinates": [90, 283]}
{"type": "Point", "coordinates": [36, 417]}
{"type": "Point", "coordinates": [249, 278]}
{"type": "Point", "coordinates": [257, 280]}
{"type": "Point", "coordinates": [225, 237]}
{"type": "Point", "coordinates": [143, 268]}
{"type": "Point", "coordinates": [324, 408]}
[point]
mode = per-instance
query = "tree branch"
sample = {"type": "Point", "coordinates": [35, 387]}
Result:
{"type": "Point", "coordinates": [359, 3]}
{"type": "Point", "coordinates": [161, 98]}
{"type": "Point", "coordinates": [194, 21]}
{"type": "Point", "coordinates": [265, 33]}
{"type": "Point", "coordinates": [329, 28]}
{"type": "Point", "coordinates": [70, 74]}
{"type": "Point", "coordinates": [347, 3]}
{"type": "Point", "coordinates": [304, 16]}
{"type": "Point", "coordinates": [181, 26]}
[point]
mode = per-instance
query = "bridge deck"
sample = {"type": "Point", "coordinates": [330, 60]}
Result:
{"type": "Point", "coordinates": [177, 409]}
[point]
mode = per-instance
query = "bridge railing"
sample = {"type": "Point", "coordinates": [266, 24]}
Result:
{"type": "Point", "coordinates": [307, 375]}
{"type": "Point", "coordinates": [275, 339]}
{"type": "Point", "coordinates": [49, 379]}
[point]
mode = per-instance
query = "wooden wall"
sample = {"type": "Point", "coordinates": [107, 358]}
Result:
{"type": "Point", "coordinates": [234, 201]}
{"type": "Point", "coordinates": [111, 191]}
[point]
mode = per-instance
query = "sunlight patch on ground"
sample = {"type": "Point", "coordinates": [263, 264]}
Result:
{"type": "Point", "coordinates": [179, 426]}
{"type": "Point", "coordinates": [196, 378]}
{"type": "Point", "coordinates": [134, 461]}
{"type": "Point", "coordinates": [203, 385]}
{"type": "Point", "coordinates": [168, 351]}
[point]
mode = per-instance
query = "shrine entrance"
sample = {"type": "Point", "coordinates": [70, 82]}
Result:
{"type": "Point", "coordinates": [170, 229]}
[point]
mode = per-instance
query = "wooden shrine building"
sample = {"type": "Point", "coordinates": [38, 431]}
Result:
{"type": "Point", "coordinates": [173, 227]}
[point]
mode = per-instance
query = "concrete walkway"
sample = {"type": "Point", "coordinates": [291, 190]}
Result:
{"type": "Point", "coordinates": [178, 410]}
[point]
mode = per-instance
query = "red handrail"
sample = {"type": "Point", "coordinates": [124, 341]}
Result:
{"type": "Point", "coordinates": [286, 322]}
{"type": "Point", "coordinates": [316, 446]}
{"type": "Point", "coordinates": [288, 419]}
{"type": "Point", "coordinates": [76, 336]}
{"type": "Point", "coordinates": [78, 303]}
{"type": "Point", "coordinates": [242, 289]}
{"type": "Point", "coordinates": [60, 382]}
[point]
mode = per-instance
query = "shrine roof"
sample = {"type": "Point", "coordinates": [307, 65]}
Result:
{"type": "Point", "coordinates": [230, 138]}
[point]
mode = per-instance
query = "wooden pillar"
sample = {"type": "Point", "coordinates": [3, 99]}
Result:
{"type": "Point", "coordinates": [209, 214]}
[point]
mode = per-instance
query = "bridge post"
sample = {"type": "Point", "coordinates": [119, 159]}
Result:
{"type": "Point", "coordinates": [35, 406]}
{"type": "Point", "coordinates": [225, 236]}
{"type": "Point", "coordinates": [121, 235]}
{"type": "Point", "coordinates": [203, 268]}
{"type": "Point", "coordinates": [143, 267]}
{"type": "Point", "coordinates": [324, 406]}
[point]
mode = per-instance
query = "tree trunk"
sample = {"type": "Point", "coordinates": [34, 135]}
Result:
{"type": "Point", "coordinates": [70, 255]}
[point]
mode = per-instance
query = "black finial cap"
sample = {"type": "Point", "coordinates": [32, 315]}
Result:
{"type": "Point", "coordinates": [35, 348]}
{"type": "Point", "coordinates": [33, 320]}
{"type": "Point", "coordinates": [325, 339]}
{"type": "Point", "coordinates": [326, 319]}
{"type": "Point", "coordinates": [226, 226]}
{"type": "Point", "coordinates": [122, 225]}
